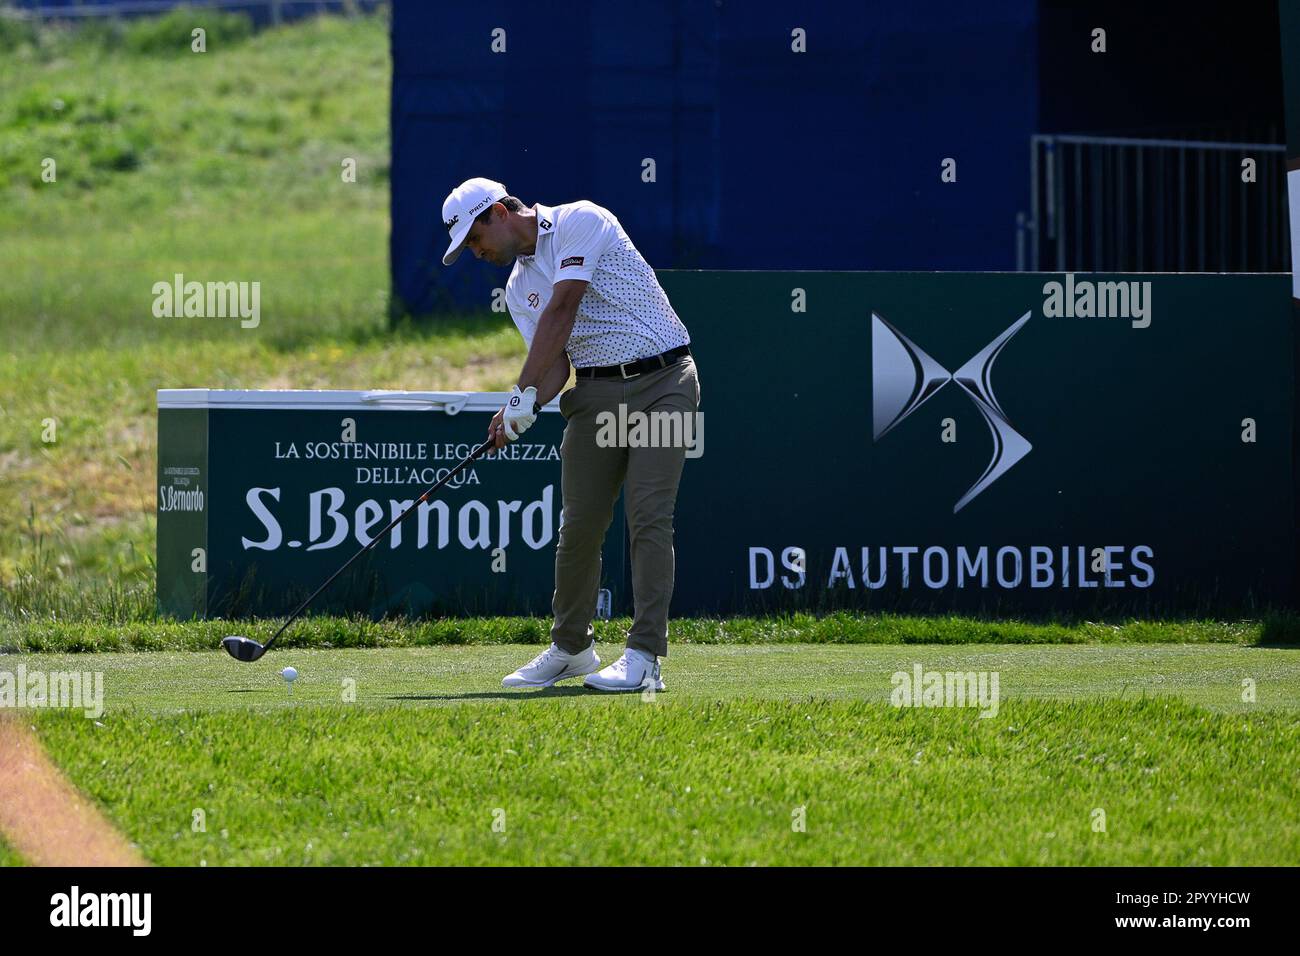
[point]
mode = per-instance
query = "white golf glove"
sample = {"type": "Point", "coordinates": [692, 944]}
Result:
{"type": "Point", "coordinates": [519, 415]}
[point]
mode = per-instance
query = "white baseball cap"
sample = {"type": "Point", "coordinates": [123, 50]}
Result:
{"type": "Point", "coordinates": [462, 204]}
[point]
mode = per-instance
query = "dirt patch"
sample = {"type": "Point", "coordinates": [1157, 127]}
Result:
{"type": "Point", "coordinates": [43, 817]}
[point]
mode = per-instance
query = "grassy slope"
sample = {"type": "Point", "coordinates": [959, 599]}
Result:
{"type": "Point", "coordinates": [221, 166]}
{"type": "Point", "coordinates": [710, 771]}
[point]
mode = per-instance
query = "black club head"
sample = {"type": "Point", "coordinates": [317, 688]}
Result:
{"type": "Point", "coordinates": [242, 648]}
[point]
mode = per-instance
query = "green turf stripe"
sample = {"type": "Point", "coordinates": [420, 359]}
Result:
{"type": "Point", "coordinates": [1220, 677]}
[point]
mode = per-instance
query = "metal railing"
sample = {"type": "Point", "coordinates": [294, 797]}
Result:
{"type": "Point", "coordinates": [1109, 204]}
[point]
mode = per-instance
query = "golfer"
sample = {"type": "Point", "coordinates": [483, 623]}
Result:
{"type": "Point", "coordinates": [584, 298]}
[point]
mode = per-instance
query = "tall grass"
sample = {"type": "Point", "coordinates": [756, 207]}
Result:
{"type": "Point", "coordinates": [120, 616]}
{"type": "Point", "coordinates": [224, 165]}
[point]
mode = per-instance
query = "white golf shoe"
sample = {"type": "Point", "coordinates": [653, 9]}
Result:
{"type": "Point", "coordinates": [551, 665]}
{"type": "Point", "coordinates": [633, 671]}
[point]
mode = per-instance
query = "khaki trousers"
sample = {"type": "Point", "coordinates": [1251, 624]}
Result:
{"type": "Point", "coordinates": [593, 470]}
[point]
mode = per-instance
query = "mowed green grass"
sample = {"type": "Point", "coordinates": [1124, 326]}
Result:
{"type": "Point", "coordinates": [166, 682]}
{"type": "Point", "coordinates": [719, 769]}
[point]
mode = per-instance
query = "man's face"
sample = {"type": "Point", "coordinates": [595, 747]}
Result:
{"type": "Point", "coordinates": [491, 243]}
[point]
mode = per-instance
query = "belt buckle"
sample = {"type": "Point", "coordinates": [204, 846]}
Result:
{"type": "Point", "coordinates": [622, 370]}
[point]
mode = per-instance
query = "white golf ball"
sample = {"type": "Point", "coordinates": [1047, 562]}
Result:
{"type": "Point", "coordinates": [290, 674]}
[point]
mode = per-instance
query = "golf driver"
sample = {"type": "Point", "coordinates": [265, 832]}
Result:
{"type": "Point", "coordinates": [247, 649]}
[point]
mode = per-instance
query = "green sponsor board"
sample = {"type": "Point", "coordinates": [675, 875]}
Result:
{"type": "Point", "coordinates": [995, 442]}
{"type": "Point", "coordinates": [183, 511]}
{"type": "Point", "coordinates": [294, 483]}
{"type": "Point", "coordinates": [1005, 443]}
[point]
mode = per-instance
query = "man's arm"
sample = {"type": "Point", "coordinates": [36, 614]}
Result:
{"type": "Point", "coordinates": [552, 335]}
{"type": "Point", "coordinates": [552, 384]}
{"type": "Point", "coordinates": [554, 380]}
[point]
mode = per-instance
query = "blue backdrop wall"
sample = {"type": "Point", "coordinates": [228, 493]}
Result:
{"type": "Point", "coordinates": [765, 158]}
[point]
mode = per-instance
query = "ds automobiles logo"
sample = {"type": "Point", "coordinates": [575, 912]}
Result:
{"type": "Point", "coordinates": [903, 377]}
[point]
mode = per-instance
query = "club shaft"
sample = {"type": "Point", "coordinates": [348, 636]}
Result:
{"type": "Point", "coordinates": [381, 535]}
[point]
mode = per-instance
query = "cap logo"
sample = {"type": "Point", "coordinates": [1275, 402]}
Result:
{"type": "Point", "coordinates": [452, 221]}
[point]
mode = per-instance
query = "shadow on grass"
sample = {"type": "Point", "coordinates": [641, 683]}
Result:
{"type": "Point", "coordinates": [521, 695]}
{"type": "Point", "coordinates": [1279, 629]}
{"type": "Point", "coordinates": [1277, 626]}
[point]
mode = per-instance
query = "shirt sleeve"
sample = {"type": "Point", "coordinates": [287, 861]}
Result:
{"type": "Point", "coordinates": [581, 238]}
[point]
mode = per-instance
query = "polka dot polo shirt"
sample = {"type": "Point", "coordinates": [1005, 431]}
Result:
{"type": "Point", "coordinates": [624, 314]}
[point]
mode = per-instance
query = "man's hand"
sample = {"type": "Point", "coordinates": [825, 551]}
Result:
{"type": "Point", "coordinates": [518, 415]}
{"type": "Point", "coordinates": [497, 431]}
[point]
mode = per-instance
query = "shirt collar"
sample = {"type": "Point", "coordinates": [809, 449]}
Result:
{"type": "Point", "coordinates": [545, 226]}
{"type": "Point", "coordinates": [545, 220]}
